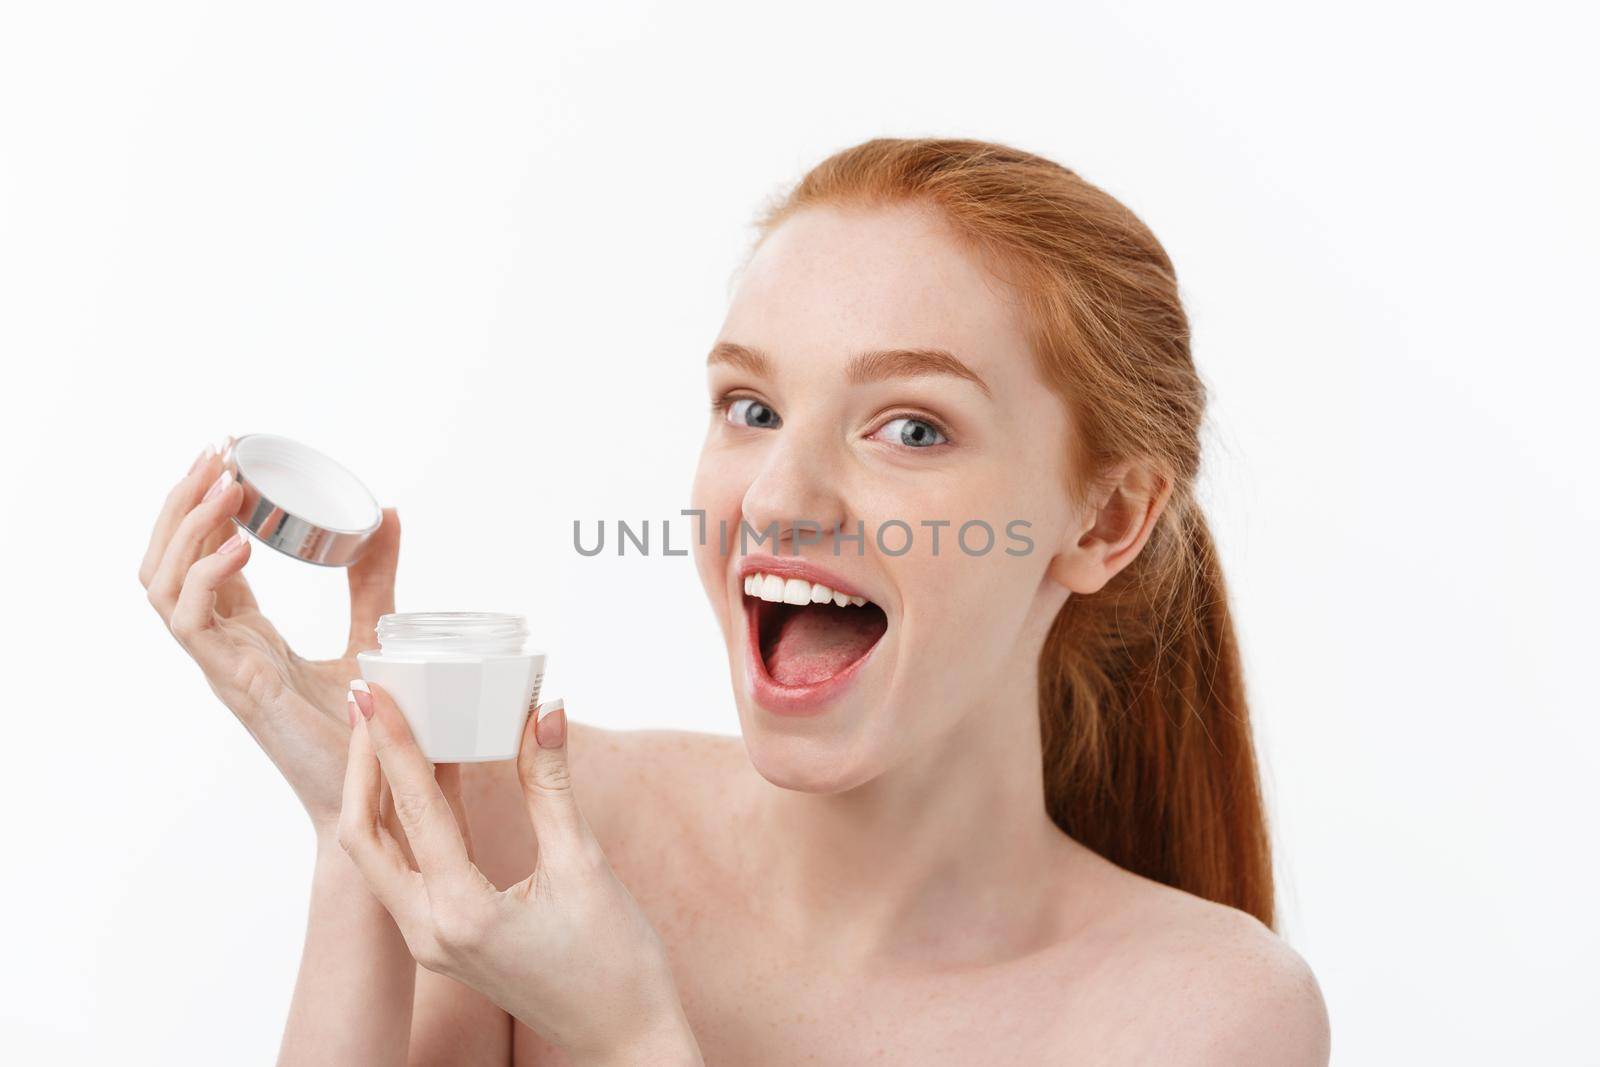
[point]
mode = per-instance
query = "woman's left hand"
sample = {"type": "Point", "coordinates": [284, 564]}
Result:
{"type": "Point", "coordinates": [566, 950]}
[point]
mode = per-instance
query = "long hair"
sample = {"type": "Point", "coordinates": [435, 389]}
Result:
{"type": "Point", "coordinates": [1148, 756]}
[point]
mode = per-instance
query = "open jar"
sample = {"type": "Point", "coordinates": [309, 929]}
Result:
{"type": "Point", "coordinates": [463, 680]}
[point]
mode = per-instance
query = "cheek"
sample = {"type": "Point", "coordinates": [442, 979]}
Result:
{"type": "Point", "coordinates": [964, 614]}
{"type": "Point", "coordinates": [719, 495]}
{"type": "Point", "coordinates": [720, 484]}
{"type": "Point", "coordinates": [967, 607]}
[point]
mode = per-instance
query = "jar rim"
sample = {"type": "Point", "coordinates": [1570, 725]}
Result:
{"type": "Point", "coordinates": [452, 631]}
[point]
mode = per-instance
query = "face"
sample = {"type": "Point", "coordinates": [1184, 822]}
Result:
{"type": "Point", "coordinates": [873, 377]}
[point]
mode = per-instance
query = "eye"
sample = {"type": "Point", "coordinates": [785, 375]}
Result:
{"type": "Point", "coordinates": [748, 411]}
{"type": "Point", "coordinates": [913, 433]}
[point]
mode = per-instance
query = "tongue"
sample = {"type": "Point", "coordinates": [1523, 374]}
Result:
{"type": "Point", "coordinates": [817, 642]}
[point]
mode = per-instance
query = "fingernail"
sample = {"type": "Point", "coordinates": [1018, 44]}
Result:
{"type": "Point", "coordinates": [350, 707]}
{"type": "Point", "coordinates": [232, 544]}
{"type": "Point", "coordinates": [223, 481]}
{"type": "Point", "coordinates": [551, 727]}
{"type": "Point", "coordinates": [362, 696]}
{"type": "Point", "coordinates": [205, 454]}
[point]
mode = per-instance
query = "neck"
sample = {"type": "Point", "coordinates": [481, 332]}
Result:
{"type": "Point", "coordinates": [948, 854]}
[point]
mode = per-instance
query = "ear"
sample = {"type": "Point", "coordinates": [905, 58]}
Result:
{"type": "Point", "coordinates": [1123, 510]}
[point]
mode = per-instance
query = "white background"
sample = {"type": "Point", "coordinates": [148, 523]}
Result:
{"type": "Point", "coordinates": [478, 251]}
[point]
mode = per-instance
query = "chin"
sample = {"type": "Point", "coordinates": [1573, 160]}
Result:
{"type": "Point", "coordinates": [812, 655]}
{"type": "Point", "coordinates": [820, 762]}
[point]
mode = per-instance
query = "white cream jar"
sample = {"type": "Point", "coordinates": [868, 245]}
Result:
{"type": "Point", "coordinates": [462, 679]}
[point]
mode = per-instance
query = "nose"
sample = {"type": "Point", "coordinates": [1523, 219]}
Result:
{"type": "Point", "coordinates": [793, 500]}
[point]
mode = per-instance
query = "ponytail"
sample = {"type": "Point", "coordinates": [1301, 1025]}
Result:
{"type": "Point", "coordinates": [1148, 757]}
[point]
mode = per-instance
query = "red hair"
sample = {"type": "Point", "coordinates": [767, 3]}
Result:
{"type": "Point", "coordinates": [1148, 756]}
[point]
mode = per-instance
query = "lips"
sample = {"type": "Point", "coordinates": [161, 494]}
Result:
{"type": "Point", "coordinates": [809, 634]}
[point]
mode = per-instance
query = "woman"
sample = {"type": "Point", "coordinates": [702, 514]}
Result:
{"type": "Point", "coordinates": [1003, 809]}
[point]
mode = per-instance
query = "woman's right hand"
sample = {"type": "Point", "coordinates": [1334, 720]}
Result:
{"type": "Point", "coordinates": [294, 708]}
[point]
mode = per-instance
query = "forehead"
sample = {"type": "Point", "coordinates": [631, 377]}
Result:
{"type": "Point", "coordinates": [830, 282]}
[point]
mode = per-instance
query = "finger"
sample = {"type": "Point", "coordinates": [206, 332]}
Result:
{"type": "Point", "coordinates": [397, 887]}
{"type": "Point", "coordinates": [194, 618]}
{"type": "Point", "coordinates": [180, 500]}
{"type": "Point", "coordinates": [372, 583]}
{"type": "Point", "coordinates": [389, 832]}
{"type": "Point", "coordinates": [425, 816]}
{"type": "Point", "coordinates": [547, 782]}
{"type": "Point", "coordinates": [234, 595]}
{"type": "Point", "coordinates": [390, 836]}
{"type": "Point", "coordinates": [448, 775]}
{"type": "Point", "coordinates": [388, 820]}
{"type": "Point", "coordinates": [216, 507]}
{"type": "Point", "coordinates": [226, 462]}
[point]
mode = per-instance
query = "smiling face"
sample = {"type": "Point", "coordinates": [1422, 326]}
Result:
{"type": "Point", "coordinates": [872, 371]}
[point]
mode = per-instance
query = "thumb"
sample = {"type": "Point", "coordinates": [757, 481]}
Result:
{"type": "Point", "coordinates": [546, 780]}
{"type": "Point", "coordinates": [372, 582]}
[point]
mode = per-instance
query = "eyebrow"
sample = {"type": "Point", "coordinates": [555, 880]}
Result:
{"type": "Point", "coordinates": [875, 366]}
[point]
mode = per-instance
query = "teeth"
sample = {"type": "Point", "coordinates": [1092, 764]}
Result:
{"type": "Point", "coordinates": [779, 590]}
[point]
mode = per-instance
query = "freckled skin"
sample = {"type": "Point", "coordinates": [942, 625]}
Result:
{"type": "Point", "coordinates": [824, 287]}
{"type": "Point", "coordinates": [1135, 973]}
{"type": "Point", "coordinates": [880, 882]}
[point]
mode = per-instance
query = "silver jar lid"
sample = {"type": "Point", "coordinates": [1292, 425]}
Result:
{"type": "Point", "coordinates": [300, 502]}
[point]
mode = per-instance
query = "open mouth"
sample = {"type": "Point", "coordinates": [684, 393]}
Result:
{"type": "Point", "coordinates": [807, 633]}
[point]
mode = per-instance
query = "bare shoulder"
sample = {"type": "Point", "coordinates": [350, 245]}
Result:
{"type": "Point", "coordinates": [632, 785]}
{"type": "Point", "coordinates": [1247, 995]}
{"type": "Point", "coordinates": [620, 773]}
{"type": "Point", "coordinates": [1206, 983]}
